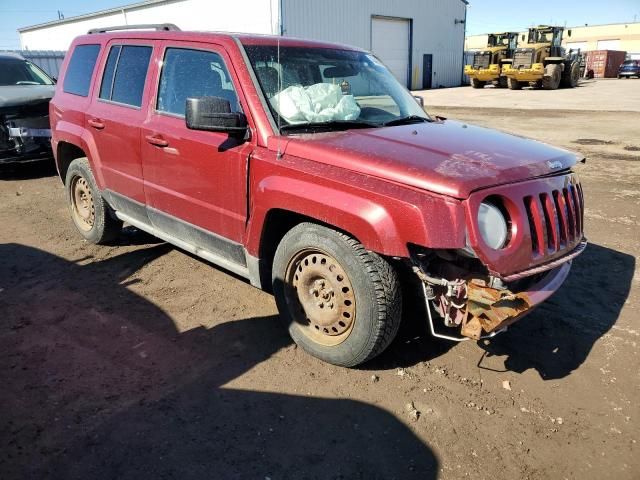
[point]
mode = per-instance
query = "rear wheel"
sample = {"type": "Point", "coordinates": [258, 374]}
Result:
{"type": "Point", "coordinates": [571, 75]}
{"type": "Point", "coordinates": [552, 76]}
{"type": "Point", "coordinates": [475, 83]}
{"type": "Point", "coordinates": [89, 211]}
{"type": "Point", "coordinates": [514, 84]}
{"type": "Point", "coordinates": [341, 303]}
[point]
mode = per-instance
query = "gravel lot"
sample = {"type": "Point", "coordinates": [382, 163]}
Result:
{"type": "Point", "coordinates": [139, 361]}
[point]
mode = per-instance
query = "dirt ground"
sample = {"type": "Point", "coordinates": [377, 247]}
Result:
{"type": "Point", "coordinates": [139, 361]}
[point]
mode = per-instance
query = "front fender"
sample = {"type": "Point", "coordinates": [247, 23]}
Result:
{"type": "Point", "coordinates": [384, 216]}
{"type": "Point", "coordinates": [368, 221]}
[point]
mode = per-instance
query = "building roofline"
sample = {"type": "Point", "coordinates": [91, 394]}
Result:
{"type": "Point", "coordinates": [130, 6]}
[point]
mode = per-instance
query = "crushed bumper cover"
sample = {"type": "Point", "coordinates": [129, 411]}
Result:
{"type": "Point", "coordinates": [488, 311]}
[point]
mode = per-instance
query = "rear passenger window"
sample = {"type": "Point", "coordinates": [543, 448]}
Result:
{"type": "Point", "coordinates": [77, 79]}
{"type": "Point", "coordinates": [125, 74]}
{"type": "Point", "coordinates": [193, 73]}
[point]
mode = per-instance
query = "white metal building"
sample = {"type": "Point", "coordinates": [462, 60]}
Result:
{"type": "Point", "coordinates": [421, 41]}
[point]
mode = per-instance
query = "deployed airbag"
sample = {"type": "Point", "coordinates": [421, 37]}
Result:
{"type": "Point", "coordinates": [321, 102]}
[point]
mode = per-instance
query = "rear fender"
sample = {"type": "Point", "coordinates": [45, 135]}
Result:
{"type": "Point", "coordinates": [76, 135]}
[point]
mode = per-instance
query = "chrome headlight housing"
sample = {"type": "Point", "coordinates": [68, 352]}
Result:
{"type": "Point", "coordinates": [492, 225]}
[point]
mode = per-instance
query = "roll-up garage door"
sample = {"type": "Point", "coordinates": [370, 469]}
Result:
{"type": "Point", "coordinates": [390, 42]}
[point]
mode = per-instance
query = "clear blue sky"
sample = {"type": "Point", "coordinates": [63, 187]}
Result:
{"type": "Point", "coordinates": [484, 15]}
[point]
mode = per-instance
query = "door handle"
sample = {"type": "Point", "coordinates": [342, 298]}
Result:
{"type": "Point", "coordinates": [157, 141]}
{"type": "Point", "coordinates": [96, 123]}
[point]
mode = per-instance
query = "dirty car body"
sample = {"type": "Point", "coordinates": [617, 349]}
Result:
{"type": "Point", "coordinates": [25, 92]}
{"type": "Point", "coordinates": [311, 133]}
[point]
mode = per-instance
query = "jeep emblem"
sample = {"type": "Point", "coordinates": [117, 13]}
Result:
{"type": "Point", "coordinates": [555, 164]}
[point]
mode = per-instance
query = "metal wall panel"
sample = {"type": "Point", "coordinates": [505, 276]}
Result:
{"type": "Point", "coordinates": [437, 29]}
{"type": "Point", "coordinates": [255, 16]}
{"type": "Point", "coordinates": [48, 60]}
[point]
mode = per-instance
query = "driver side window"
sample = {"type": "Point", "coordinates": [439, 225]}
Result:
{"type": "Point", "coordinates": [188, 73]}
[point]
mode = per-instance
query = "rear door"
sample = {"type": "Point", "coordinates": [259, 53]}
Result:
{"type": "Point", "coordinates": [115, 115]}
{"type": "Point", "coordinates": [195, 181]}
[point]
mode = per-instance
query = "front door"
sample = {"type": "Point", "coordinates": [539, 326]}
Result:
{"type": "Point", "coordinates": [195, 181]}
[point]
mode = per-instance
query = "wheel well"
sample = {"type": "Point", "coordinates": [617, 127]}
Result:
{"type": "Point", "coordinates": [67, 153]}
{"type": "Point", "coordinates": [276, 224]}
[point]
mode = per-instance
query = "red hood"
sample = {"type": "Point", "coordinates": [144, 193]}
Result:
{"type": "Point", "coordinates": [448, 157]}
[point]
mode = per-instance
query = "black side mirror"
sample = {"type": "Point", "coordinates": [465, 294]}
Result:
{"type": "Point", "coordinates": [569, 32]}
{"type": "Point", "coordinates": [214, 114]}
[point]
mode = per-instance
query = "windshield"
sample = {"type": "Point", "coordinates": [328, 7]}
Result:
{"type": "Point", "coordinates": [15, 71]}
{"type": "Point", "coordinates": [343, 89]}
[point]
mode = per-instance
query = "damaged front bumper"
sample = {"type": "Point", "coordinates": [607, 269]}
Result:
{"type": "Point", "coordinates": [25, 136]}
{"type": "Point", "coordinates": [476, 308]}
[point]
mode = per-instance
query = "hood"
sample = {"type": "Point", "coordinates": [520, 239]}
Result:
{"type": "Point", "coordinates": [446, 157]}
{"type": "Point", "coordinates": [18, 95]}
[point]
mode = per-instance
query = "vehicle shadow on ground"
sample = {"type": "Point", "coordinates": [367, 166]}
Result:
{"type": "Point", "coordinates": [98, 383]}
{"type": "Point", "coordinates": [558, 337]}
{"type": "Point", "coordinates": [28, 171]}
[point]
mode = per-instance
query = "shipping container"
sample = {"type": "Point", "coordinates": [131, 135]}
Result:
{"type": "Point", "coordinates": [605, 63]}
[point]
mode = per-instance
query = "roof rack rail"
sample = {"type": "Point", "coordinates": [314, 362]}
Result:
{"type": "Point", "coordinates": [167, 27]}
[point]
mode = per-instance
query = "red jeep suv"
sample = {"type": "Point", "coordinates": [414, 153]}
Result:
{"type": "Point", "coordinates": [308, 169]}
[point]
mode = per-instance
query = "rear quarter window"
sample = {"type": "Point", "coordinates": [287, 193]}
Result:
{"type": "Point", "coordinates": [125, 74]}
{"type": "Point", "coordinates": [77, 78]}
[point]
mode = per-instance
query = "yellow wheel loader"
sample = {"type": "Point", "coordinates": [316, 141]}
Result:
{"type": "Point", "coordinates": [543, 62]}
{"type": "Point", "coordinates": [488, 63]}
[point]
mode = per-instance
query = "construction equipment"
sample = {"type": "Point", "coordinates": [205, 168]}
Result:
{"type": "Point", "coordinates": [487, 64]}
{"type": "Point", "coordinates": [544, 62]}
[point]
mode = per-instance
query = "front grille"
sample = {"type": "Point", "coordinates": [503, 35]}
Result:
{"type": "Point", "coordinates": [555, 219]}
{"type": "Point", "coordinates": [523, 58]}
{"type": "Point", "coordinates": [481, 60]}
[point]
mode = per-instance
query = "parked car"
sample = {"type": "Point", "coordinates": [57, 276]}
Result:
{"type": "Point", "coordinates": [308, 169]}
{"type": "Point", "coordinates": [25, 91]}
{"type": "Point", "coordinates": [629, 68]}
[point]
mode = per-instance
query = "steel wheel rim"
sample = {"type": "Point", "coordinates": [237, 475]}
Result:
{"type": "Point", "coordinates": [82, 204]}
{"type": "Point", "coordinates": [320, 297]}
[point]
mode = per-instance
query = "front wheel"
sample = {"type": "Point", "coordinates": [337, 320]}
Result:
{"type": "Point", "coordinates": [514, 84]}
{"type": "Point", "coordinates": [552, 76]}
{"type": "Point", "coordinates": [341, 303]}
{"type": "Point", "coordinates": [475, 83]}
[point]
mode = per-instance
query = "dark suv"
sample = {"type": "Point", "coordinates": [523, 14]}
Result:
{"type": "Point", "coordinates": [25, 91]}
{"type": "Point", "coordinates": [629, 68]}
{"type": "Point", "coordinates": [308, 169]}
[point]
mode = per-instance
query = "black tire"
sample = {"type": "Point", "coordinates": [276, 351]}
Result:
{"type": "Point", "coordinates": [90, 214]}
{"type": "Point", "coordinates": [514, 84]}
{"type": "Point", "coordinates": [502, 82]}
{"type": "Point", "coordinates": [571, 75]}
{"type": "Point", "coordinates": [475, 83]}
{"type": "Point", "coordinates": [552, 76]}
{"type": "Point", "coordinates": [375, 292]}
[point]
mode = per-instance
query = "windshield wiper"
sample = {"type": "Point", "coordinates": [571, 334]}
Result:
{"type": "Point", "coordinates": [330, 125]}
{"type": "Point", "coordinates": [406, 120]}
